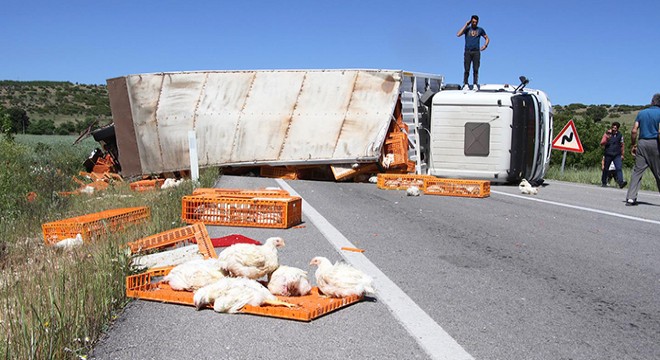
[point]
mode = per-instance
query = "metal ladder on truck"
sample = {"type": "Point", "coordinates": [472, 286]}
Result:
{"type": "Point", "coordinates": [413, 87]}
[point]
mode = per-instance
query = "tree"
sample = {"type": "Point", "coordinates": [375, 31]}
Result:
{"type": "Point", "coordinates": [42, 127]}
{"type": "Point", "coordinates": [19, 119]}
{"type": "Point", "coordinates": [596, 113]}
{"type": "Point", "coordinates": [5, 125]}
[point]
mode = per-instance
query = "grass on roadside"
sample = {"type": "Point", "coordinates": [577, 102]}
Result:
{"type": "Point", "coordinates": [54, 304]}
{"type": "Point", "coordinates": [592, 176]}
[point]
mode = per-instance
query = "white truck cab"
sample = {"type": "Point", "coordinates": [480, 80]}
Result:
{"type": "Point", "coordinates": [497, 133]}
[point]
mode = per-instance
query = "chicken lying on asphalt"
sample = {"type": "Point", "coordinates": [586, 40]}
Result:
{"type": "Point", "coordinates": [195, 274]}
{"type": "Point", "coordinates": [230, 295]}
{"type": "Point", "coordinates": [526, 188]}
{"type": "Point", "coordinates": [289, 281]}
{"type": "Point", "coordinates": [340, 279]}
{"type": "Point", "coordinates": [252, 261]}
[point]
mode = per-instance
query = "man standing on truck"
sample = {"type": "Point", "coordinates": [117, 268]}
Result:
{"type": "Point", "coordinates": [473, 49]}
{"type": "Point", "coordinates": [647, 153]}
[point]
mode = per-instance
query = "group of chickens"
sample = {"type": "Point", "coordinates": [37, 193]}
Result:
{"type": "Point", "coordinates": [231, 281]}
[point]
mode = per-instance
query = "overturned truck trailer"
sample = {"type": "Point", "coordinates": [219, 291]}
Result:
{"type": "Point", "coordinates": [264, 117]}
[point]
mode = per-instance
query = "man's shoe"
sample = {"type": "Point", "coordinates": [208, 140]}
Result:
{"type": "Point", "coordinates": [466, 87]}
{"type": "Point", "coordinates": [623, 184]}
{"type": "Point", "coordinates": [603, 185]}
{"type": "Point", "coordinates": [476, 86]}
{"type": "Point", "coordinates": [631, 202]}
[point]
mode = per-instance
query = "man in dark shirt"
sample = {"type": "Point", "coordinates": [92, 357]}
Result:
{"type": "Point", "coordinates": [612, 141]}
{"type": "Point", "coordinates": [473, 50]}
{"type": "Point", "coordinates": [646, 149]}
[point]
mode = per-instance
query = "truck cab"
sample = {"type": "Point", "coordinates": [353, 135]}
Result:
{"type": "Point", "coordinates": [497, 133]}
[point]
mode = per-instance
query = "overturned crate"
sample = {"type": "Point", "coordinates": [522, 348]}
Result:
{"type": "Point", "coordinates": [457, 187]}
{"type": "Point", "coordinates": [195, 233]}
{"type": "Point", "coordinates": [401, 181]}
{"type": "Point", "coordinates": [147, 286]}
{"type": "Point", "coordinates": [270, 212]}
{"type": "Point", "coordinates": [93, 225]}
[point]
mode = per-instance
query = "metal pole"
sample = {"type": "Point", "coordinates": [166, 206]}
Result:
{"type": "Point", "coordinates": [563, 161]}
{"type": "Point", "coordinates": [418, 153]}
{"type": "Point", "coordinates": [194, 162]}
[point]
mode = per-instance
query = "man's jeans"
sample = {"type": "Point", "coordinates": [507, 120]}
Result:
{"type": "Point", "coordinates": [616, 159]}
{"type": "Point", "coordinates": [474, 57]}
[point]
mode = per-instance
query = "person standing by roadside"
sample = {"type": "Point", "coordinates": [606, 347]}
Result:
{"type": "Point", "coordinates": [612, 141]}
{"type": "Point", "coordinates": [472, 54]}
{"type": "Point", "coordinates": [647, 150]}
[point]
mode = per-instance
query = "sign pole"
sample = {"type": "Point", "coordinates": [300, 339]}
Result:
{"type": "Point", "coordinates": [563, 161]}
{"type": "Point", "coordinates": [194, 162]}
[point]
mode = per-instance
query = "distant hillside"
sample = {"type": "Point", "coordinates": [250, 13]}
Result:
{"type": "Point", "coordinates": [624, 114]}
{"type": "Point", "coordinates": [57, 101]}
{"type": "Point", "coordinates": [64, 107]}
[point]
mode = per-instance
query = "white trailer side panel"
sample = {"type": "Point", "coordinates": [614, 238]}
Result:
{"type": "Point", "coordinates": [257, 117]}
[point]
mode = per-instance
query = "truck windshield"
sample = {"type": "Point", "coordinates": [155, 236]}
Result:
{"type": "Point", "coordinates": [524, 143]}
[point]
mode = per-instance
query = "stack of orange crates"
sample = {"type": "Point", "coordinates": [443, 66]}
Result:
{"type": "Point", "coordinates": [396, 144]}
{"type": "Point", "coordinates": [93, 225]}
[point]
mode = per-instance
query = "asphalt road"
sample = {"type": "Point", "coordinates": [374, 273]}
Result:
{"type": "Point", "coordinates": [570, 273]}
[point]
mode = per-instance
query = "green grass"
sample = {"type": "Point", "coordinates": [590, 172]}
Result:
{"type": "Point", "coordinates": [592, 176]}
{"type": "Point", "coordinates": [54, 304]}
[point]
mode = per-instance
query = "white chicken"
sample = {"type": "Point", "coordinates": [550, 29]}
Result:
{"type": "Point", "coordinates": [231, 294]}
{"type": "Point", "coordinates": [388, 160]}
{"type": "Point", "coordinates": [289, 281]}
{"type": "Point", "coordinates": [412, 191]}
{"type": "Point", "coordinates": [194, 274]}
{"type": "Point", "coordinates": [69, 242]}
{"type": "Point", "coordinates": [169, 257]}
{"type": "Point", "coordinates": [526, 188]}
{"type": "Point", "coordinates": [170, 183]}
{"type": "Point", "coordinates": [341, 279]}
{"type": "Point", "coordinates": [252, 261]}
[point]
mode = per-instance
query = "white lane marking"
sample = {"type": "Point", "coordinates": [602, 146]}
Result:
{"type": "Point", "coordinates": [437, 343]}
{"type": "Point", "coordinates": [634, 218]}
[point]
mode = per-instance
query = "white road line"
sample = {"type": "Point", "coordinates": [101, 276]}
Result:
{"type": "Point", "coordinates": [429, 335]}
{"type": "Point", "coordinates": [634, 218]}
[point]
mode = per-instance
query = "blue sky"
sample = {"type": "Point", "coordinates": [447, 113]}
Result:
{"type": "Point", "coordinates": [604, 52]}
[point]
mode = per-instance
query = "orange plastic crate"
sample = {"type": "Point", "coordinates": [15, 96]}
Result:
{"type": "Point", "coordinates": [183, 235]}
{"type": "Point", "coordinates": [146, 185]}
{"type": "Point", "coordinates": [282, 212]}
{"type": "Point", "coordinates": [457, 187]}
{"type": "Point", "coordinates": [401, 181]}
{"type": "Point", "coordinates": [396, 143]}
{"type": "Point", "coordinates": [281, 172]}
{"type": "Point", "coordinates": [246, 192]}
{"type": "Point", "coordinates": [92, 225]}
{"type": "Point", "coordinates": [310, 307]}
